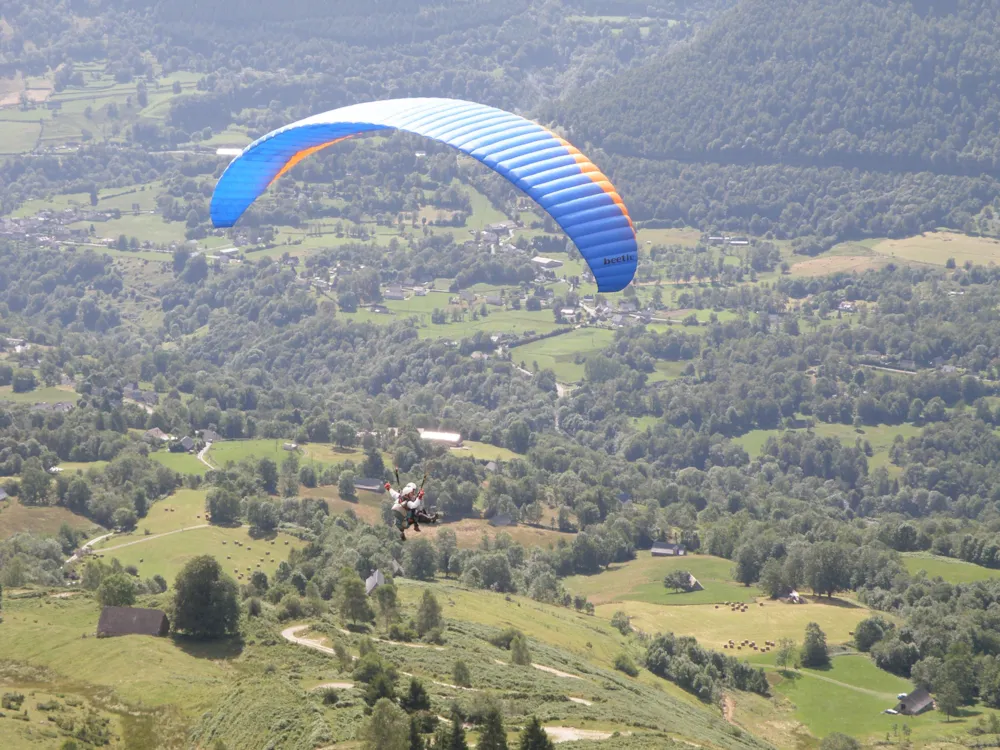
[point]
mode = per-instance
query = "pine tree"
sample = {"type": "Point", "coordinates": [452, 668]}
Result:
{"type": "Point", "coordinates": [456, 738]}
{"type": "Point", "coordinates": [416, 741]}
{"type": "Point", "coordinates": [416, 698]}
{"type": "Point", "coordinates": [534, 737]}
{"type": "Point", "coordinates": [493, 736]}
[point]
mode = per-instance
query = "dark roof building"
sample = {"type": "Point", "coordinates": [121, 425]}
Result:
{"type": "Point", "coordinates": [915, 703]}
{"type": "Point", "coordinates": [210, 436]}
{"type": "Point", "coordinates": [187, 443]}
{"type": "Point", "coordinates": [132, 621]}
{"type": "Point", "coordinates": [665, 549]}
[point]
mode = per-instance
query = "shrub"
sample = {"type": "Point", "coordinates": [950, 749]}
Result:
{"type": "Point", "coordinates": [12, 701]}
{"type": "Point", "coordinates": [624, 663]}
{"type": "Point", "coordinates": [329, 697]}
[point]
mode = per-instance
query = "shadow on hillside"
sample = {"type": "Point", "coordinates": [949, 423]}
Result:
{"type": "Point", "coordinates": [358, 628]}
{"type": "Point", "coordinates": [835, 602]}
{"type": "Point", "coordinates": [259, 535]}
{"type": "Point", "coordinates": [223, 648]}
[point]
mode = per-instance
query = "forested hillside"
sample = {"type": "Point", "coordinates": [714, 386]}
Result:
{"type": "Point", "coordinates": [834, 98]}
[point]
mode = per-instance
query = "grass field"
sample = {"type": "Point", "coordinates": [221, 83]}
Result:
{"type": "Point", "coordinates": [714, 626]}
{"type": "Point", "coordinates": [166, 555]}
{"type": "Point", "coordinates": [936, 247]}
{"type": "Point", "coordinates": [484, 452]}
{"type": "Point", "coordinates": [641, 580]}
{"type": "Point", "coordinates": [167, 548]}
{"type": "Point", "coordinates": [953, 571]}
{"type": "Point", "coordinates": [15, 517]}
{"type": "Point", "coordinates": [564, 355]}
{"type": "Point", "coordinates": [881, 438]}
{"type": "Point", "coordinates": [182, 509]}
{"type": "Point", "coordinates": [18, 137]}
{"type": "Point", "coordinates": [184, 463]}
{"type": "Point", "coordinates": [54, 395]}
{"type": "Point", "coordinates": [58, 633]}
{"type": "Point", "coordinates": [223, 452]}
{"type": "Point", "coordinates": [852, 686]}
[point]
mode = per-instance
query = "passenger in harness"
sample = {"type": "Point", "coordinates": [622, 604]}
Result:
{"type": "Point", "coordinates": [408, 508]}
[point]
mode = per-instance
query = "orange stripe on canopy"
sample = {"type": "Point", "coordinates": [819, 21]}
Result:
{"type": "Point", "coordinates": [303, 154]}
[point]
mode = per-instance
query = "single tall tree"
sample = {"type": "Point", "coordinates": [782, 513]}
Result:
{"type": "Point", "coordinates": [948, 698]}
{"type": "Point", "coordinates": [388, 603]}
{"type": "Point", "coordinates": [429, 613]}
{"type": "Point", "coordinates": [785, 653]}
{"type": "Point", "coordinates": [354, 604]}
{"type": "Point", "coordinates": [205, 604]}
{"type": "Point", "coordinates": [814, 651]}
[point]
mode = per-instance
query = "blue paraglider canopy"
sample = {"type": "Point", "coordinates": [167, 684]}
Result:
{"type": "Point", "coordinates": [564, 182]}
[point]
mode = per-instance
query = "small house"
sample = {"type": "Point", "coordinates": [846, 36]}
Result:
{"type": "Point", "coordinates": [3, 494]}
{"type": "Point", "coordinates": [846, 306]}
{"type": "Point", "coordinates": [210, 436]}
{"type": "Point", "coordinates": [694, 584]}
{"type": "Point", "coordinates": [491, 466]}
{"type": "Point", "coordinates": [668, 549]}
{"type": "Point", "coordinates": [290, 446]}
{"type": "Point", "coordinates": [394, 293]}
{"type": "Point", "coordinates": [373, 581]}
{"type": "Point", "coordinates": [132, 621]}
{"type": "Point", "coordinates": [915, 703]}
{"type": "Point", "coordinates": [502, 520]}
{"type": "Point", "coordinates": [494, 299]}
{"type": "Point", "coordinates": [187, 443]}
{"type": "Point", "coordinates": [397, 569]}
{"type": "Point", "coordinates": [156, 434]}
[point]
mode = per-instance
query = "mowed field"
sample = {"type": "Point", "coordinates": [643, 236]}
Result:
{"type": "Point", "coordinates": [222, 453]}
{"type": "Point", "coordinates": [178, 531]}
{"type": "Point", "coordinates": [714, 625]}
{"type": "Point", "coordinates": [952, 571]}
{"type": "Point", "coordinates": [937, 247]}
{"type": "Point", "coordinates": [565, 355]}
{"type": "Point", "coordinates": [55, 395]}
{"type": "Point", "coordinates": [852, 686]}
{"type": "Point", "coordinates": [641, 580]}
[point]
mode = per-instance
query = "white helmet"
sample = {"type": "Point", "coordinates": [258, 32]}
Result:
{"type": "Point", "coordinates": [409, 489]}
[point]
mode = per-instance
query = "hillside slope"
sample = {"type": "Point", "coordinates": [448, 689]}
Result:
{"type": "Point", "coordinates": [856, 103]}
{"type": "Point", "coordinates": [841, 83]}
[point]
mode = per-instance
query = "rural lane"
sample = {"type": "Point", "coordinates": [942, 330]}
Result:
{"type": "Point", "coordinates": [201, 455]}
{"type": "Point", "coordinates": [95, 540]}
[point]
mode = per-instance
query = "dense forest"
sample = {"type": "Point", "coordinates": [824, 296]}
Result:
{"type": "Point", "coordinates": [875, 103]}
